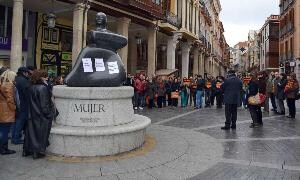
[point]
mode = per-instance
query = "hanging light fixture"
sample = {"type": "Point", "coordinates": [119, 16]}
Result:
{"type": "Point", "coordinates": [51, 20]}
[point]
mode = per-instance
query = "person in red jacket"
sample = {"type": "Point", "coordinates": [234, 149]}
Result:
{"type": "Point", "coordinates": [139, 88]}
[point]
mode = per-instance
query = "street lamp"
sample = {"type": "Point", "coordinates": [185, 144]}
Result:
{"type": "Point", "coordinates": [51, 20]}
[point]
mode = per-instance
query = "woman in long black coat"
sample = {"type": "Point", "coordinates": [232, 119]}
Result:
{"type": "Point", "coordinates": [41, 113]}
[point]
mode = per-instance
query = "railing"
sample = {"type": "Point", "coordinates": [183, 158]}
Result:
{"type": "Point", "coordinates": [147, 5]}
{"type": "Point", "coordinates": [173, 19]}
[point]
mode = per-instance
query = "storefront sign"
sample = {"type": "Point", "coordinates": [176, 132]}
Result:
{"type": "Point", "coordinates": [5, 43]}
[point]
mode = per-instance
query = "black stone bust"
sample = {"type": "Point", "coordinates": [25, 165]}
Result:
{"type": "Point", "coordinates": [103, 46]}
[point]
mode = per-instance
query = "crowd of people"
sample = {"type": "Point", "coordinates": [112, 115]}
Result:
{"type": "Point", "coordinates": [199, 92]}
{"type": "Point", "coordinates": [27, 109]}
{"type": "Point", "coordinates": [159, 92]}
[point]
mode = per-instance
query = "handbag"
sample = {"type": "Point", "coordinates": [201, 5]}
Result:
{"type": "Point", "coordinates": [175, 95]}
{"type": "Point", "coordinates": [258, 99]}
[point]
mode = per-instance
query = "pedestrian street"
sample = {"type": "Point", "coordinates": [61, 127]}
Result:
{"type": "Point", "coordinates": [182, 143]}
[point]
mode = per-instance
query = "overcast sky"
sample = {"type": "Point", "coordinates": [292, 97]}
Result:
{"type": "Point", "coordinates": [240, 16]}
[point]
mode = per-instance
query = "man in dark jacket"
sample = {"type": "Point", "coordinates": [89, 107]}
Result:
{"type": "Point", "coordinates": [232, 88]}
{"type": "Point", "coordinates": [22, 84]}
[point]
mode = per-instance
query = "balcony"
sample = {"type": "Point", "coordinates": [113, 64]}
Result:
{"type": "Point", "coordinates": [172, 19]}
{"type": "Point", "coordinates": [285, 5]}
{"type": "Point", "coordinates": [149, 6]}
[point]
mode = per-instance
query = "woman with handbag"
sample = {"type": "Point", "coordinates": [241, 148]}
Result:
{"type": "Point", "coordinates": [280, 94]}
{"type": "Point", "coordinates": [253, 105]}
{"type": "Point", "coordinates": [7, 109]}
{"type": "Point", "coordinates": [175, 92]}
{"type": "Point", "coordinates": [291, 91]}
{"type": "Point", "coordinates": [40, 117]}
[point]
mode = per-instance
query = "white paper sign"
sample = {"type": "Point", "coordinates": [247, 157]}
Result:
{"type": "Point", "coordinates": [113, 67]}
{"type": "Point", "coordinates": [87, 65]}
{"type": "Point", "coordinates": [99, 64]}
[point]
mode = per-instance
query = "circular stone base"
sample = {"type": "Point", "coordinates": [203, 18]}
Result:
{"type": "Point", "coordinates": [98, 141]}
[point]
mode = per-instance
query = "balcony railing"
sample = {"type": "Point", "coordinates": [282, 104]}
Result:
{"type": "Point", "coordinates": [173, 19]}
{"type": "Point", "coordinates": [147, 5]}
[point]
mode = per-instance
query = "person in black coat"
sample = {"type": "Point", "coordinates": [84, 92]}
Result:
{"type": "Point", "coordinates": [232, 88]}
{"type": "Point", "coordinates": [175, 88]}
{"type": "Point", "coordinates": [280, 94]}
{"type": "Point", "coordinates": [22, 85]}
{"type": "Point", "coordinates": [255, 110]}
{"type": "Point", "coordinates": [40, 115]}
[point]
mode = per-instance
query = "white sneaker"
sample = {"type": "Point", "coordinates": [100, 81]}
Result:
{"type": "Point", "coordinates": [135, 108]}
{"type": "Point", "coordinates": [141, 108]}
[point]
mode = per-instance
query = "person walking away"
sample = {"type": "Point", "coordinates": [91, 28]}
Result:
{"type": "Point", "coordinates": [41, 113]}
{"type": "Point", "coordinates": [219, 92]}
{"type": "Point", "coordinates": [22, 84]}
{"type": "Point", "coordinates": [254, 110]}
{"type": "Point", "coordinates": [276, 81]}
{"type": "Point", "coordinates": [161, 93]}
{"type": "Point", "coordinates": [199, 92]}
{"type": "Point", "coordinates": [231, 87]}
{"type": "Point", "coordinates": [280, 94]}
{"type": "Point", "coordinates": [175, 88]}
{"type": "Point", "coordinates": [7, 109]}
{"type": "Point", "coordinates": [291, 90]}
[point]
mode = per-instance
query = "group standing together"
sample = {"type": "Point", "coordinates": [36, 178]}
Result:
{"type": "Point", "coordinates": [158, 92]}
{"type": "Point", "coordinates": [26, 110]}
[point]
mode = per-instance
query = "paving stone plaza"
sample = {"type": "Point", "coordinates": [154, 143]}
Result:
{"type": "Point", "coordinates": [182, 144]}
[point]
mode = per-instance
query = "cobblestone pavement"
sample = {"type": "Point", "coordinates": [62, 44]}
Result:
{"type": "Point", "coordinates": [189, 145]}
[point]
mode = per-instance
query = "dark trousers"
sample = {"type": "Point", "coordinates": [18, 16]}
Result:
{"type": "Point", "coordinates": [164, 102]}
{"type": "Point", "coordinates": [207, 97]}
{"type": "Point", "coordinates": [174, 102]}
{"type": "Point", "coordinates": [256, 114]}
{"type": "Point", "coordinates": [160, 101]}
{"type": "Point", "coordinates": [151, 103]}
{"type": "Point", "coordinates": [193, 98]}
{"type": "Point", "coordinates": [212, 98]}
{"type": "Point", "coordinates": [18, 126]}
{"type": "Point", "coordinates": [138, 98]}
{"type": "Point", "coordinates": [230, 114]}
{"type": "Point", "coordinates": [292, 107]}
{"type": "Point", "coordinates": [169, 100]}
{"type": "Point", "coordinates": [219, 98]}
{"type": "Point", "coordinates": [273, 102]}
{"type": "Point", "coordinates": [4, 130]}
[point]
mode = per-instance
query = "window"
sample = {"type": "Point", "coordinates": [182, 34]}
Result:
{"type": "Point", "coordinates": [2, 21]}
{"type": "Point", "coordinates": [156, 2]}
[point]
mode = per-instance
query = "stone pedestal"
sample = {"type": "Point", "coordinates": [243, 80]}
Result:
{"type": "Point", "coordinates": [95, 121]}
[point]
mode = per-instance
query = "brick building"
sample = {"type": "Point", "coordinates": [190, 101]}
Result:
{"type": "Point", "coordinates": [269, 46]}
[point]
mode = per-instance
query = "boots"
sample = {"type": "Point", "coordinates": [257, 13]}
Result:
{"type": "Point", "coordinates": [5, 151]}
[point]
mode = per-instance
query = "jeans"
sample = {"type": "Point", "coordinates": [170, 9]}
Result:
{"type": "Point", "coordinates": [207, 97]}
{"type": "Point", "coordinates": [280, 106]}
{"type": "Point", "coordinates": [231, 115]}
{"type": "Point", "coordinates": [4, 129]}
{"type": "Point", "coordinates": [272, 97]}
{"type": "Point", "coordinates": [18, 126]}
{"type": "Point", "coordinates": [199, 95]}
{"type": "Point", "coordinates": [292, 107]}
{"type": "Point", "coordinates": [138, 99]}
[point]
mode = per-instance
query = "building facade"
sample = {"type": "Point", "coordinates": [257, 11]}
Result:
{"type": "Point", "coordinates": [269, 46]}
{"type": "Point", "coordinates": [289, 45]}
{"type": "Point", "coordinates": [253, 61]}
{"type": "Point", "coordinates": [162, 34]}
